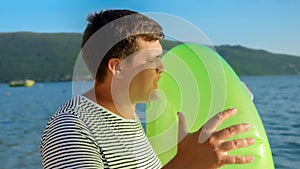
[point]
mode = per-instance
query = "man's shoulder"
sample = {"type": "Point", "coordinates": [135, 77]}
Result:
{"type": "Point", "coordinates": [80, 108]}
{"type": "Point", "coordinates": [69, 106]}
{"type": "Point", "coordinates": [72, 103]}
{"type": "Point", "coordinates": [66, 115]}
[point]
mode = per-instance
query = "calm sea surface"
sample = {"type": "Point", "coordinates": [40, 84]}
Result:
{"type": "Point", "coordinates": [25, 112]}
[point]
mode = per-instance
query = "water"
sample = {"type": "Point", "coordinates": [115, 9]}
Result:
{"type": "Point", "coordinates": [277, 99]}
{"type": "Point", "coordinates": [25, 112]}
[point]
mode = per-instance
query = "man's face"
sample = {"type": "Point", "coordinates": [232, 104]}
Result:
{"type": "Point", "coordinates": [147, 65]}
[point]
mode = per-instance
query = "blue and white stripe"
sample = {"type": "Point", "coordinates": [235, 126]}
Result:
{"type": "Point", "coordinates": [82, 134]}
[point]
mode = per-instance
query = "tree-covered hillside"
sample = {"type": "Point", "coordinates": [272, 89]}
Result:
{"type": "Point", "coordinates": [51, 57]}
{"type": "Point", "coordinates": [38, 56]}
{"type": "Point", "coordinates": [250, 62]}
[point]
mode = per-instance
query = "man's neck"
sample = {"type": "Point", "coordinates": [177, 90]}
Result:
{"type": "Point", "coordinates": [118, 103]}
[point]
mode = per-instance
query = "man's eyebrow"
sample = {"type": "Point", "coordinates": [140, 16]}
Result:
{"type": "Point", "coordinates": [160, 54]}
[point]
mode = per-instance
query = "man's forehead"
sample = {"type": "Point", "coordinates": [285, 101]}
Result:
{"type": "Point", "coordinates": [143, 44]}
{"type": "Point", "coordinates": [148, 53]}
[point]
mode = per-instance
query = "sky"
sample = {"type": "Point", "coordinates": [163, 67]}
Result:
{"type": "Point", "coordinates": [272, 25]}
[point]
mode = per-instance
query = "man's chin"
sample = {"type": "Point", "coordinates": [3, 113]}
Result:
{"type": "Point", "coordinates": [153, 95]}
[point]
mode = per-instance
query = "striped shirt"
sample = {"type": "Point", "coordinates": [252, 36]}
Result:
{"type": "Point", "coordinates": [82, 134]}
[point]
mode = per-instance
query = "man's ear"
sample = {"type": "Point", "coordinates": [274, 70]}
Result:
{"type": "Point", "coordinates": [114, 65]}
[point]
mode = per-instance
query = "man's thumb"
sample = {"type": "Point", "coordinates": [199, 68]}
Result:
{"type": "Point", "coordinates": [182, 126]}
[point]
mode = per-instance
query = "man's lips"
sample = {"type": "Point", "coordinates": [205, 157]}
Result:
{"type": "Point", "coordinates": [155, 82]}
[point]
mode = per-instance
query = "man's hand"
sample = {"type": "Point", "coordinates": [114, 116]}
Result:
{"type": "Point", "coordinates": [207, 148]}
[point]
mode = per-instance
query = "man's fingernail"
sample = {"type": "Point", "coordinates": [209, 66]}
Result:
{"type": "Point", "coordinates": [248, 126]}
{"type": "Point", "coordinates": [251, 158]}
{"type": "Point", "coordinates": [251, 140]}
{"type": "Point", "coordinates": [234, 110]}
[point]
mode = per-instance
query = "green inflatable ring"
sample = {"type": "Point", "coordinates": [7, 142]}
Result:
{"type": "Point", "coordinates": [199, 83]}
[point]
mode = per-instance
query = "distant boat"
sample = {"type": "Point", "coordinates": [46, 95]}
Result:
{"type": "Point", "coordinates": [22, 83]}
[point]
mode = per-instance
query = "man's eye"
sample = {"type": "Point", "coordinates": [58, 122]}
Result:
{"type": "Point", "coordinates": [151, 61]}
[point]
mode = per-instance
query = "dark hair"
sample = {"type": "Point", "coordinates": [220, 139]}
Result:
{"type": "Point", "coordinates": [118, 40]}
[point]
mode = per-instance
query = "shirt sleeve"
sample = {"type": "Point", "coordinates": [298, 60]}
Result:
{"type": "Point", "coordinates": [67, 143]}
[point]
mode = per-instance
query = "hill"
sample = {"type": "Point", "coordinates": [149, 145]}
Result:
{"type": "Point", "coordinates": [51, 57]}
{"type": "Point", "coordinates": [251, 62]}
{"type": "Point", "coordinates": [38, 56]}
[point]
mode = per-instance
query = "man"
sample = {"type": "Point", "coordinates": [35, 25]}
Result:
{"type": "Point", "coordinates": [100, 129]}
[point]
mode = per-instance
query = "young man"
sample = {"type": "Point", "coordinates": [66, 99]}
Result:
{"type": "Point", "coordinates": [100, 129]}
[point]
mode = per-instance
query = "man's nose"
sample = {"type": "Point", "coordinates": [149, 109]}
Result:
{"type": "Point", "coordinates": [160, 66]}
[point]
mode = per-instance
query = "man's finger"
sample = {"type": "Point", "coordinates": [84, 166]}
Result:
{"type": "Point", "coordinates": [235, 144]}
{"type": "Point", "coordinates": [231, 131]}
{"type": "Point", "coordinates": [212, 124]}
{"type": "Point", "coordinates": [182, 126]}
{"type": "Point", "coordinates": [236, 159]}
{"type": "Point", "coordinates": [228, 113]}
